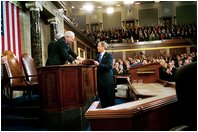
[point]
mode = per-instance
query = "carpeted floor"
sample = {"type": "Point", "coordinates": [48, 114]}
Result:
{"type": "Point", "coordinates": [20, 115]}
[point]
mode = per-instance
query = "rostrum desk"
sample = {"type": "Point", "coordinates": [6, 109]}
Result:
{"type": "Point", "coordinates": [66, 91]}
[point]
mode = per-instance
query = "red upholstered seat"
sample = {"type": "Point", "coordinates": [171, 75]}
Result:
{"type": "Point", "coordinates": [29, 67]}
{"type": "Point", "coordinates": [15, 76]}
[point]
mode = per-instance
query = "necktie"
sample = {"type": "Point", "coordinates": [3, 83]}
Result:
{"type": "Point", "coordinates": [100, 58]}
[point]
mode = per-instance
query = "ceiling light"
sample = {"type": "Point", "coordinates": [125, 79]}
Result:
{"type": "Point", "coordinates": [110, 10]}
{"type": "Point", "coordinates": [99, 7]}
{"type": "Point", "coordinates": [107, 1]}
{"type": "Point", "coordinates": [128, 2]}
{"type": "Point", "coordinates": [137, 3]}
{"type": "Point", "coordinates": [88, 7]}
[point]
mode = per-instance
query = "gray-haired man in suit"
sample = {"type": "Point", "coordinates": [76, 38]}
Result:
{"type": "Point", "coordinates": [62, 52]}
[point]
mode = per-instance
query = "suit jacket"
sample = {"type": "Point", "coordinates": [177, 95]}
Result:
{"type": "Point", "coordinates": [50, 45]}
{"type": "Point", "coordinates": [60, 53]}
{"type": "Point", "coordinates": [186, 91]}
{"type": "Point", "coordinates": [106, 89]}
{"type": "Point", "coordinates": [105, 69]}
{"type": "Point", "coordinates": [50, 50]}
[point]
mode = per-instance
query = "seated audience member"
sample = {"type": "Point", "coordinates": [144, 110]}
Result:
{"type": "Point", "coordinates": [162, 69]}
{"type": "Point", "coordinates": [116, 69]}
{"type": "Point", "coordinates": [186, 62]}
{"type": "Point", "coordinates": [170, 71]}
{"type": "Point", "coordinates": [177, 59]}
{"type": "Point", "coordinates": [194, 57]}
{"type": "Point", "coordinates": [122, 70]}
{"type": "Point", "coordinates": [119, 70]}
{"type": "Point", "coordinates": [126, 66]}
{"type": "Point", "coordinates": [180, 63]}
{"type": "Point", "coordinates": [144, 62]}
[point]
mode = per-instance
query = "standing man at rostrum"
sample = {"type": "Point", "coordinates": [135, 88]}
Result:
{"type": "Point", "coordinates": [50, 46]}
{"type": "Point", "coordinates": [61, 51]}
{"type": "Point", "coordinates": [104, 63]}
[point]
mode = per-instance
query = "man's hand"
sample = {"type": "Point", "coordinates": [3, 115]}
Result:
{"type": "Point", "coordinates": [96, 63]}
{"type": "Point", "coordinates": [80, 59]}
{"type": "Point", "coordinates": [77, 62]}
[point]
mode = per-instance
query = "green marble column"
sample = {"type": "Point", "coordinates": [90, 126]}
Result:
{"type": "Point", "coordinates": [53, 27]}
{"type": "Point", "coordinates": [36, 47]}
{"type": "Point", "coordinates": [53, 30]}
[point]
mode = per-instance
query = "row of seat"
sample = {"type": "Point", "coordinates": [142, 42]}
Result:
{"type": "Point", "coordinates": [17, 77]}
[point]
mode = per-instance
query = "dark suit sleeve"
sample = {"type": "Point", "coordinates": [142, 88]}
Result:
{"type": "Point", "coordinates": [72, 53]}
{"type": "Point", "coordinates": [50, 47]}
{"type": "Point", "coordinates": [115, 72]}
{"type": "Point", "coordinates": [65, 51]}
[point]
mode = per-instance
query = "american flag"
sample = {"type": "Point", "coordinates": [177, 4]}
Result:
{"type": "Point", "coordinates": [10, 28]}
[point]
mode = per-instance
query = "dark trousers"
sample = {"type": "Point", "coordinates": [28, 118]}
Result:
{"type": "Point", "coordinates": [106, 95]}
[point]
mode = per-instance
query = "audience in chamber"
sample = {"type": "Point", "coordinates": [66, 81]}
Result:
{"type": "Point", "coordinates": [168, 64]}
{"type": "Point", "coordinates": [144, 33]}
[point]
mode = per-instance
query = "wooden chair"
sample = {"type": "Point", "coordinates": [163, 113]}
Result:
{"type": "Point", "coordinates": [15, 76]}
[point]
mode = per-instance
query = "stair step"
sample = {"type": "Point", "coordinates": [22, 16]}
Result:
{"type": "Point", "coordinates": [20, 115]}
{"type": "Point", "coordinates": [33, 111]}
{"type": "Point", "coordinates": [20, 120]}
{"type": "Point", "coordinates": [18, 123]}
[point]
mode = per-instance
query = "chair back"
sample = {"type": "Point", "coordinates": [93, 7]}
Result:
{"type": "Point", "coordinates": [29, 67]}
{"type": "Point", "coordinates": [13, 69]}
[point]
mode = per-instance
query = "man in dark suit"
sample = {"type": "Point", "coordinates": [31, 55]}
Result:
{"type": "Point", "coordinates": [50, 46]}
{"type": "Point", "coordinates": [61, 52]}
{"type": "Point", "coordinates": [186, 90]}
{"type": "Point", "coordinates": [104, 63]}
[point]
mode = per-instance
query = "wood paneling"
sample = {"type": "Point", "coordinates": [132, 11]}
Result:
{"type": "Point", "coordinates": [147, 73]}
{"type": "Point", "coordinates": [117, 55]}
{"type": "Point", "coordinates": [151, 48]}
{"type": "Point", "coordinates": [183, 17]}
{"type": "Point", "coordinates": [69, 86]}
{"type": "Point", "coordinates": [148, 17]}
{"type": "Point", "coordinates": [177, 51]}
{"type": "Point", "coordinates": [66, 92]}
{"type": "Point", "coordinates": [152, 53]}
{"type": "Point", "coordinates": [111, 21]}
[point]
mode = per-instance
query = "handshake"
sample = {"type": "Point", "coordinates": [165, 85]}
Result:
{"type": "Point", "coordinates": [78, 60]}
